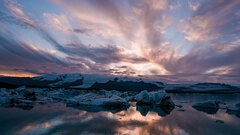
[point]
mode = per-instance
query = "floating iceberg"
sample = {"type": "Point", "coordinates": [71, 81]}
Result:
{"type": "Point", "coordinates": [235, 107]}
{"type": "Point", "coordinates": [208, 104]}
{"type": "Point", "coordinates": [209, 107]}
{"type": "Point", "coordinates": [156, 98]}
{"type": "Point", "coordinates": [98, 100]}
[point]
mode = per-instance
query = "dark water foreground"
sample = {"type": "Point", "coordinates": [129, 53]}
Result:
{"type": "Point", "coordinates": [57, 119]}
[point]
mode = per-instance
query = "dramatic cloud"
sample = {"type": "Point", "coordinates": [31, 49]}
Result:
{"type": "Point", "coordinates": [194, 39]}
{"type": "Point", "coordinates": [211, 22]}
{"type": "Point", "coordinates": [18, 13]}
{"type": "Point", "coordinates": [19, 56]}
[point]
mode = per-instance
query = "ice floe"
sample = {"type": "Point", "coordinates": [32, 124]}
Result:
{"type": "Point", "coordinates": [157, 98]}
{"type": "Point", "coordinates": [98, 100]}
{"type": "Point", "coordinates": [210, 107]}
{"type": "Point", "coordinates": [207, 104]}
{"type": "Point", "coordinates": [235, 107]}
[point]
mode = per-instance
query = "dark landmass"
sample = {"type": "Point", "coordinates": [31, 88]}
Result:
{"type": "Point", "coordinates": [208, 88]}
{"type": "Point", "coordinates": [125, 85]}
{"type": "Point", "coordinates": [75, 81]}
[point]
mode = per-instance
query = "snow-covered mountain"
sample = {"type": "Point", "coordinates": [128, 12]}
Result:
{"type": "Point", "coordinates": [62, 79]}
{"type": "Point", "coordinates": [51, 80]}
{"type": "Point", "coordinates": [85, 81]}
{"type": "Point", "coordinates": [109, 82]}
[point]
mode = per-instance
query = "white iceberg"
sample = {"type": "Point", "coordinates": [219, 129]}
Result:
{"type": "Point", "coordinates": [157, 98]}
{"type": "Point", "coordinates": [144, 97]}
{"type": "Point", "coordinates": [98, 100]}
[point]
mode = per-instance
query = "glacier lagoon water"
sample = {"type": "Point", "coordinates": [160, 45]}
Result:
{"type": "Point", "coordinates": [58, 119]}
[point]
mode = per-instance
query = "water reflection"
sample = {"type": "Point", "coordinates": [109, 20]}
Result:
{"type": "Point", "coordinates": [20, 106]}
{"type": "Point", "coordinates": [237, 114]}
{"type": "Point", "coordinates": [59, 119]}
{"type": "Point", "coordinates": [162, 111]}
{"type": "Point", "coordinates": [92, 108]}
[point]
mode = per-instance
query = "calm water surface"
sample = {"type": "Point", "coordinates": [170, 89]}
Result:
{"type": "Point", "coordinates": [57, 119]}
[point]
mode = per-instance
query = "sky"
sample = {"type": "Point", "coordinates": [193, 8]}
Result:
{"type": "Point", "coordinates": [180, 40]}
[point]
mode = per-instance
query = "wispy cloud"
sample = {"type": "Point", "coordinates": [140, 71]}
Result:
{"type": "Point", "coordinates": [131, 37]}
{"type": "Point", "coordinates": [59, 22]}
{"type": "Point", "coordinates": [210, 24]}
{"type": "Point", "coordinates": [193, 5]}
{"type": "Point", "coordinates": [22, 56]}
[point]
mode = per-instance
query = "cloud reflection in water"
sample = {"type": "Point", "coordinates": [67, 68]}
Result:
{"type": "Point", "coordinates": [59, 119]}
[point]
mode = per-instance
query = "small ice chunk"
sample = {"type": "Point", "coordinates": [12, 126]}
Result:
{"type": "Point", "coordinates": [5, 100]}
{"type": "Point", "coordinates": [179, 106]}
{"type": "Point", "coordinates": [219, 121]}
{"type": "Point", "coordinates": [208, 104]}
{"type": "Point", "coordinates": [38, 90]}
{"type": "Point", "coordinates": [21, 88]}
{"type": "Point", "coordinates": [181, 110]}
{"type": "Point", "coordinates": [234, 107]}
